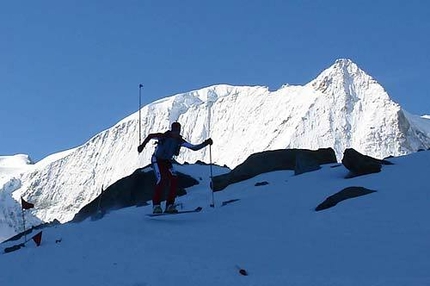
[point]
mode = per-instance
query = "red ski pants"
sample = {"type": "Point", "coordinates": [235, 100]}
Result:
{"type": "Point", "coordinates": [164, 174]}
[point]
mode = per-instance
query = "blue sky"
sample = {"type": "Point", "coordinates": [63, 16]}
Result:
{"type": "Point", "coordinates": [70, 69]}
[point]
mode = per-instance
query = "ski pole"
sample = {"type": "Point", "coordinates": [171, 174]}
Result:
{"type": "Point", "coordinates": [140, 113]}
{"type": "Point", "coordinates": [23, 224]}
{"type": "Point", "coordinates": [212, 205]}
{"type": "Point", "coordinates": [212, 185]}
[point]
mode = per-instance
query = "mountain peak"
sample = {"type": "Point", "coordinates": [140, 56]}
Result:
{"type": "Point", "coordinates": [346, 78]}
{"type": "Point", "coordinates": [344, 63]}
{"type": "Point", "coordinates": [345, 67]}
{"type": "Point", "coordinates": [343, 72]}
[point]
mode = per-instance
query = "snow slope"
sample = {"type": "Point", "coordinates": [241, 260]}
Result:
{"type": "Point", "coordinates": [272, 232]}
{"type": "Point", "coordinates": [13, 165]}
{"type": "Point", "coordinates": [11, 168]}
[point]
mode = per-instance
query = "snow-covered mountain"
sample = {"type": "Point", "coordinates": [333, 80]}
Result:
{"type": "Point", "coordinates": [342, 108]}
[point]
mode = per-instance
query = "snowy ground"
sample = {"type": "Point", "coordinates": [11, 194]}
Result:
{"type": "Point", "coordinates": [272, 232]}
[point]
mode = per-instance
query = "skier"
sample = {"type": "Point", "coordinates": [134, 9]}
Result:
{"type": "Point", "coordinates": [168, 145]}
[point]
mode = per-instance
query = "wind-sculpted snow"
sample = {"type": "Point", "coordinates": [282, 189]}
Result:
{"type": "Point", "coordinates": [342, 108]}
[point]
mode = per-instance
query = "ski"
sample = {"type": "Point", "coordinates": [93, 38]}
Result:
{"type": "Point", "coordinates": [196, 210]}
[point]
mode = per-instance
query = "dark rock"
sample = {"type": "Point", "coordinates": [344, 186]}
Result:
{"type": "Point", "coordinates": [268, 161]}
{"type": "Point", "coordinates": [133, 190]}
{"type": "Point", "coordinates": [229, 202]}
{"type": "Point", "coordinates": [306, 162]}
{"type": "Point", "coordinates": [261, 184]}
{"type": "Point", "coordinates": [359, 164]}
{"type": "Point", "coordinates": [14, 248]}
{"type": "Point", "coordinates": [347, 193]}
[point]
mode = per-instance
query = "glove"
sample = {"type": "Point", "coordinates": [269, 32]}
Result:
{"type": "Point", "coordinates": [208, 141]}
{"type": "Point", "coordinates": [140, 148]}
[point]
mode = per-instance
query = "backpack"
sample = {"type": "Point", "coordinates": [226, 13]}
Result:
{"type": "Point", "coordinates": [168, 146]}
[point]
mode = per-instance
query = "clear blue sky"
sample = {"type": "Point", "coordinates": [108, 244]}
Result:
{"type": "Point", "coordinates": [70, 69]}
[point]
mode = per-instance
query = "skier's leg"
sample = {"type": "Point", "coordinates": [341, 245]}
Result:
{"type": "Point", "coordinates": [173, 189]}
{"type": "Point", "coordinates": [160, 176]}
{"type": "Point", "coordinates": [173, 178]}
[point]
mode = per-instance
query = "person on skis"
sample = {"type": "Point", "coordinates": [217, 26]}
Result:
{"type": "Point", "coordinates": [168, 145]}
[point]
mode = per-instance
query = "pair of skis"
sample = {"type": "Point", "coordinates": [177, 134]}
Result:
{"type": "Point", "coordinates": [196, 210]}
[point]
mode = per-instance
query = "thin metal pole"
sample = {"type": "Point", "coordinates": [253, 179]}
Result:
{"type": "Point", "coordinates": [23, 225]}
{"type": "Point", "coordinates": [212, 205]}
{"type": "Point", "coordinates": [140, 113]}
{"type": "Point", "coordinates": [212, 185]}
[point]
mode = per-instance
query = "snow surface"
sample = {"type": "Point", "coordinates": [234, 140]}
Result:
{"type": "Point", "coordinates": [422, 123]}
{"type": "Point", "coordinates": [12, 165]}
{"type": "Point", "coordinates": [11, 169]}
{"type": "Point", "coordinates": [272, 232]}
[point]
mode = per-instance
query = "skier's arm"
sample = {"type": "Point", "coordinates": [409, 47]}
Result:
{"type": "Point", "coordinates": [149, 137]}
{"type": "Point", "coordinates": [198, 146]}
